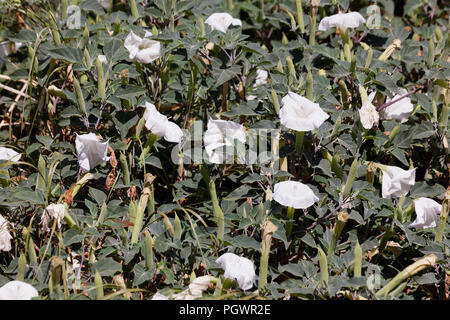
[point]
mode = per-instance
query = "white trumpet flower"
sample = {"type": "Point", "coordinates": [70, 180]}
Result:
{"type": "Point", "coordinates": [5, 236]}
{"type": "Point", "coordinates": [160, 126]}
{"type": "Point", "coordinates": [342, 21]}
{"type": "Point", "coordinates": [427, 213]}
{"type": "Point", "coordinates": [239, 268]}
{"type": "Point", "coordinates": [399, 110]}
{"type": "Point", "coordinates": [57, 211]}
{"type": "Point", "coordinates": [301, 114]}
{"type": "Point", "coordinates": [396, 181]}
{"type": "Point", "coordinates": [220, 134]}
{"type": "Point", "coordinates": [17, 290]}
{"type": "Point", "coordinates": [9, 154]}
{"type": "Point", "coordinates": [294, 194]}
{"type": "Point", "coordinates": [222, 21]}
{"type": "Point", "coordinates": [142, 50]}
{"type": "Point", "coordinates": [368, 114]}
{"type": "Point", "coordinates": [261, 77]}
{"type": "Point", "coordinates": [91, 152]}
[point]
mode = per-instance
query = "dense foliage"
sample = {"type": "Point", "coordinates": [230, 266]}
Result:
{"type": "Point", "coordinates": [140, 223]}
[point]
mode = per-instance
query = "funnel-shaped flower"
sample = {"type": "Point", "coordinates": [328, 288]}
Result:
{"type": "Point", "coordinates": [261, 77]}
{"type": "Point", "coordinates": [5, 236]}
{"type": "Point", "coordinates": [342, 21]}
{"type": "Point", "coordinates": [91, 152]}
{"type": "Point", "coordinates": [301, 114]}
{"type": "Point", "coordinates": [222, 133]}
{"type": "Point", "coordinates": [9, 154]}
{"type": "Point", "coordinates": [222, 21]}
{"type": "Point", "coordinates": [294, 194]}
{"type": "Point", "coordinates": [142, 50]}
{"type": "Point", "coordinates": [57, 211]}
{"type": "Point", "coordinates": [160, 126]}
{"type": "Point", "coordinates": [17, 290]}
{"type": "Point", "coordinates": [239, 268]}
{"type": "Point", "coordinates": [427, 213]}
{"type": "Point", "coordinates": [399, 110]}
{"type": "Point", "coordinates": [396, 181]}
{"type": "Point", "coordinates": [368, 114]}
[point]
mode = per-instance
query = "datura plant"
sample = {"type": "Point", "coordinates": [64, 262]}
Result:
{"type": "Point", "coordinates": [206, 149]}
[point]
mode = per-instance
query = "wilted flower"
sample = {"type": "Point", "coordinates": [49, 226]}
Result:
{"type": "Point", "coordinates": [396, 181]}
{"type": "Point", "coordinates": [400, 110]}
{"type": "Point", "coordinates": [160, 126]}
{"type": "Point", "coordinates": [57, 211]}
{"type": "Point", "coordinates": [239, 268]}
{"type": "Point", "coordinates": [5, 236]}
{"type": "Point", "coordinates": [368, 114]}
{"type": "Point", "coordinates": [222, 21]}
{"type": "Point", "coordinates": [342, 21]}
{"type": "Point", "coordinates": [427, 213]}
{"type": "Point", "coordinates": [91, 152]}
{"type": "Point", "coordinates": [221, 133]}
{"type": "Point", "coordinates": [142, 50]}
{"type": "Point", "coordinates": [17, 290]}
{"type": "Point", "coordinates": [301, 114]}
{"type": "Point", "coordinates": [261, 77]}
{"type": "Point", "coordinates": [294, 194]}
{"type": "Point", "coordinates": [9, 154]}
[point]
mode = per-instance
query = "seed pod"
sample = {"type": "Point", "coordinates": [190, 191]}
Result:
{"type": "Point", "coordinates": [369, 58]}
{"type": "Point", "coordinates": [54, 30]}
{"type": "Point", "coordinates": [98, 285]}
{"type": "Point", "coordinates": [79, 95]}
{"type": "Point", "coordinates": [351, 177]}
{"type": "Point", "coordinates": [87, 58]}
{"type": "Point", "coordinates": [301, 25]}
{"type": "Point", "coordinates": [100, 79]}
{"type": "Point", "coordinates": [280, 66]}
{"type": "Point", "coordinates": [323, 267]}
{"type": "Point", "coordinates": [358, 261]}
{"type": "Point", "coordinates": [21, 265]}
{"type": "Point", "coordinates": [177, 227]}
{"type": "Point", "coordinates": [291, 68]}
{"type": "Point", "coordinates": [284, 39]}
{"type": "Point", "coordinates": [148, 245]}
{"type": "Point", "coordinates": [126, 171]}
{"type": "Point", "coordinates": [438, 33]}
{"type": "Point", "coordinates": [430, 53]}
{"type": "Point", "coordinates": [309, 85]}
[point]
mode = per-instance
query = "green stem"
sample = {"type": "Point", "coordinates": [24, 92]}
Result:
{"type": "Point", "coordinates": [301, 25]}
{"type": "Point", "coordinates": [290, 215]}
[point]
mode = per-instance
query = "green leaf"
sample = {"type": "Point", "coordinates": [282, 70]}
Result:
{"type": "Point", "coordinates": [129, 92]}
{"type": "Point", "coordinates": [107, 267]}
{"type": "Point", "coordinates": [72, 55]}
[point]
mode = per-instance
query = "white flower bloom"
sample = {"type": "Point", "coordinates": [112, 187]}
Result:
{"type": "Point", "coordinates": [194, 291]}
{"type": "Point", "coordinates": [400, 110]}
{"type": "Point", "coordinates": [91, 152]}
{"type": "Point", "coordinates": [396, 181]}
{"type": "Point", "coordinates": [222, 21]}
{"type": "Point", "coordinates": [159, 125]}
{"type": "Point", "coordinates": [57, 211]}
{"type": "Point", "coordinates": [142, 50]}
{"type": "Point", "coordinates": [9, 154]}
{"type": "Point", "coordinates": [239, 268]}
{"type": "Point", "coordinates": [301, 114]}
{"type": "Point", "coordinates": [17, 290]}
{"type": "Point", "coordinates": [102, 59]}
{"type": "Point", "coordinates": [427, 213]}
{"type": "Point", "coordinates": [261, 77]}
{"type": "Point", "coordinates": [159, 296]}
{"type": "Point", "coordinates": [220, 134]}
{"type": "Point", "coordinates": [341, 20]}
{"type": "Point", "coordinates": [294, 194]}
{"type": "Point", "coordinates": [5, 236]}
{"type": "Point", "coordinates": [368, 114]}
{"type": "Point", "coordinates": [106, 4]}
